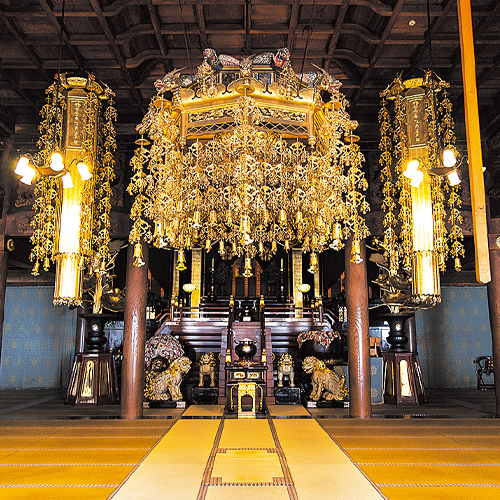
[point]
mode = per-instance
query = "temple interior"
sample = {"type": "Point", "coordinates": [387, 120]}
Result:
{"type": "Point", "coordinates": [248, 249]}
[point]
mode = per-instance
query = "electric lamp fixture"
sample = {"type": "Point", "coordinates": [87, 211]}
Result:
{"type": "Point", "coordinates": [73, 168]}
{"type": "Point", "coordinates": [419, 172]}
{"type": "Point", "coordinates": [189, 287]}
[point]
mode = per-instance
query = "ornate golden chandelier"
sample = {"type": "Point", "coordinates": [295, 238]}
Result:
{"type": "Point", "coordinates": [247, 156]}
{"type": "Point", "coordinates": [421, 185]}
{"type": "Point", "coordinates": [74, 169]}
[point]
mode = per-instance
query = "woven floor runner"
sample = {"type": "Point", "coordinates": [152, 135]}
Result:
{"type": "Point", "coordinates": [269, 459]}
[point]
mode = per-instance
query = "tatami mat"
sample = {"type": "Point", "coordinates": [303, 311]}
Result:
{"type": "Point", "coordinates": [247, 466]}
{"type": "Point", "coordinates": [288, 411]}
{"type": "Point", "coordinates": [247, 493]}
{"type": "Point", "coordinates": [204, 411]}
{"type": "Point", "coordinates": [320, 470]}
{"type": "Point", "coordinates": [71, 459]}
{"type": "Point", "coordinates": [246, 433]}
{"type": "Point", "coordinates": [438, 459]}
{"type": "Point", "coordinates": [174, 468]}
{"type": "Point", "coordinates": [56, 493]}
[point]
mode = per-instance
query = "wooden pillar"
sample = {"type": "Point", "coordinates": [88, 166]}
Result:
{"type": "Point", "coordinates": [6, 182]}
{"type": "Point", "coordinates": [175, 276]}
{"type": "Point", "coordinates": [494, 304]}
{"type": "Point", "coordinates": [196, 272]}
{"type": "Point", "coordinates": [3, 281]}
{"type": "Point", "coordinates": [81, 325]}
{"type": "Point", "coordinates": [134, 336]}
{"type": "Point", "coordinates": [297, 276]}
{"type": "Point", "coordinates": [478, 200]}
{"type": "Point", "coordinates": [358, 334]}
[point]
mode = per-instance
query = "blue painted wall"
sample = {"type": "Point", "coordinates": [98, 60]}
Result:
{"type": "Point", "coordinates": [38, 340]}
{"type": "Point", "coordinates": [451, 335]}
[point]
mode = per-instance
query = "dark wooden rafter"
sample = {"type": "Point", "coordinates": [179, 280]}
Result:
{"type": "Point", "coordinates": [436, 25]}
{"type": "Point", "coordinates": [116, 51]}
{"type": "Point", "coordinates": [6, 75]}
{"type": "Point", "coordinates": [200, 19]}
{"type": "Point", "coordinates": [57, 26]}
{"type": "Point", "coordinates": [336, 33]}
{"type": "Point", "coordinates": [156, 22]}
{"type": "Point", "coordinates": [292, 26]}
{"type": "Point", "coordinates": [378, 50]}
{"type": "Point", "coordinates": [482, 27]}
{"type": "Point", "coordinates": [6, 124]}
{"type": "Point", "coordinates": [29, 51]}
{"type": "Point", "coordinates": [248, 26]}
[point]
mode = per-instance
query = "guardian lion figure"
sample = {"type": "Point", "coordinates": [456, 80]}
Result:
{"type": "Point", "coordinates": [167, 384]}
{"type": "Point", "coordinates": [285, 368]}
{"type": "Point", "coordinates": [207, 367]}
{"type": "Point", "coordinates": [326, 383]}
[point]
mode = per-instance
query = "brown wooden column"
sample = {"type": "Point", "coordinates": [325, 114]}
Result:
{"type": "Point", "coordinates": [134, 336]}
{"type": "Point", "coordinates": [81, 325]}
{"type": "Point", "coordinates": [494, 304]}
{"type": "Point", "coordinates": [7, 176]}
{"type": "Point", "coordinates": [358, 335]}
{"type": "Point", "coordinates": [3, 281]}
{"type": "Point", "coordinates": [478, 200]}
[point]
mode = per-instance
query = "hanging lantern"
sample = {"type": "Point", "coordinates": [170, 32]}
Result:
{"type": "Point", "coordinates": [74, 167]}
{"type": "Point", "coordinates": [419, 173]}
{"type": "Point", "coordinates": [247, 185]}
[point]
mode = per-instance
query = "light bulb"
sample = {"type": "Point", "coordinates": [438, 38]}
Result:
{"type": "Point", "coordinates": [416, 179]}
{"type": "Point", "coordinates": [28, 176]}
{"type": "Point", "coordinates": [83, 170]}
{"type": "Point", "coordinates": [453, 178]}
{"type": "Point", "coordinates": [22, 166]}
{"type": "Point", "coordinates": [449, 159]}
{"type": "Point", "coordinates": [56, 162]}
{"type": "Point", "coordinates": [67, 182]}
{"type": "Point", "coordinates": [411, 168]}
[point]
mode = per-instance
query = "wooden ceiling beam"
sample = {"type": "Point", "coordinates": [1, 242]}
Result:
{"type": "Point", "coordinates": [336, 33]}
{"type": "Point", "coordinates": [6, 124]}
{"type": "Point", "coordinates": [7, 76]}
{"type": "Point", "coordinates": [456, 59]}
{"type": "Point", "coordinates": [430, 34]}
{"type": "Point", "coordinates": [57, 26]}
{"type": "Point", "coordinates": [248, 26]}
{"type": "Point", "coordinates": [200, 19]}
{"type": "Point", "coordinates": [292, 25]}
{"type": "Point", "coordinates": [385, 35]}
{"type": "Point", "coordinates": [156, 22]}
{"type": "Point", "coordinates": [27, 49]}
{"type": "Point", "coordinates": [116, 51]}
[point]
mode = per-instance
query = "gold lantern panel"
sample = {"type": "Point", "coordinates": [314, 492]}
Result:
{"type": "Point", "coordinates": [74, 168]}
{"type": "Point", "coordinates": [247, 155]}
{"type": "Point", "coordinates": [421, 192]}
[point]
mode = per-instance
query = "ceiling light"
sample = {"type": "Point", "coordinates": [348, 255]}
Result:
{"type": "Point", "coordinates": [453, 178]}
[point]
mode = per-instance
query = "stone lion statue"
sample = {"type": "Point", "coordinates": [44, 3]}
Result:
{"type": "Point", "coordinates": [207, 367]}
{"type": "Point", "coordinates": [285, 368]}
{"type": "Point", "coordinates": [326, 383]}
{"type": "Point", "coordinates": [165, 385]}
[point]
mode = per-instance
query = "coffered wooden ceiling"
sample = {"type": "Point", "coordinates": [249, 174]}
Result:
{"type": "Point", "coordinates": [130, 43]}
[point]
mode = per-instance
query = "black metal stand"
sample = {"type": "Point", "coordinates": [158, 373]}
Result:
{"type": "Point", "coordinates": [93, 378]}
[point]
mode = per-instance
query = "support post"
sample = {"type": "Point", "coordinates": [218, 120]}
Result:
{"type": "Point", "coordinates": [478, 200]}
{"type": "Point", "coordinates": [358, 334]}
{"type": "Point", "coordinates": [3, 282]}
{"type": "Point", "coordinates": [494, 305]}
{"type": "Point", "coordinates": [81, 325]}
{"type": "Point", "coordinates": [134, 336]}
{"type": "Point", "coordinates": [6, 176]}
